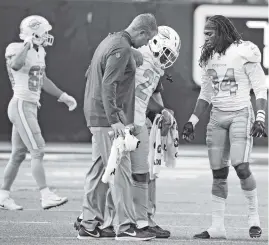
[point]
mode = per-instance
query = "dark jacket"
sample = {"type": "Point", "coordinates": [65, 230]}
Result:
{"type": "Point", "coordinates": [110, 89]}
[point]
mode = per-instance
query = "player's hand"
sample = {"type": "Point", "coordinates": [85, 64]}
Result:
{"type": "Point", "coordinates": [168, 116]}
{"type": "Point", "coordinates": [258, 129]}
{"type": "Point", "coordinates": [118, 129]}
{"type": "Point", "coordinates": [68, 100]}
{"type": "Point", "coordinates": [138, 57]}
{"type": "Point", "coordinates": [188, 132]}
{"type": "Point", "coordinates": [29, 42]}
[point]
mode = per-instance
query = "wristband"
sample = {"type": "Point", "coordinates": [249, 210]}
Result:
{"type": "Point", "coordinates": [260, 116]}
{"type": "Point", "coordinates": [194, 120]}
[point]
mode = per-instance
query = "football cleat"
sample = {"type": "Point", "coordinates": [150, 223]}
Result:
{"type": "Point", "coordinates": [9, 204]}
{"type": "Point", "coordinates": [255, 231]}
{"type": "Point", "coordinates": [52, 200]}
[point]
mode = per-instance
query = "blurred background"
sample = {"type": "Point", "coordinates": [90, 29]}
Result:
{"type": "Point", "coordinates": [79, 26]}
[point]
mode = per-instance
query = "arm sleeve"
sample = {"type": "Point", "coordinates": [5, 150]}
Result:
{"type": "Point", "coordinates": [206, 88]}
{"type": "Point", "coordinates": [257, 78]}
{"type": "Point", "coordinates": [114, 71]}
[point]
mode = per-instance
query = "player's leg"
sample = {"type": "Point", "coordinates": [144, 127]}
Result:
{"type": "Point", "coordinates": [241, 146]}
{"type": "Point", "coordinates": [154, 227]}
{"type": "Point", "coordinates": [18, 154]}
{"type": "Point", "coordinates": [97, 198]}
{"type": "Point", "coordinates": [25, 121]}
{"type": "Point", "coordinates": [140, 177]}
{"type": "Point", "coordinates": [160, 233]}
{"type": "Point", "coordinates": [218, 151]}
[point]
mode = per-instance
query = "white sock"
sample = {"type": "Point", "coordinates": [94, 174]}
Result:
{"type": "Point", "coordinates": [44, 192]}
{"type": "Point", "coordinates": [218, 210]}
{"type": "Point", "coordinates": [252, 203]}
{"type": "Point", "coordinates": [4, 194]}
{"type": "Point", "coordinates": [81, 216]}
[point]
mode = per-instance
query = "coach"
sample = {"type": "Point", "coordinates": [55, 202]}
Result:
{"type": "Point", "coordinates": [109, 105]}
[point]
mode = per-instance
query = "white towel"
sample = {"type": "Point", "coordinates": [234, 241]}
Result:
{"type": "Point", "coordinates": [163, 150]}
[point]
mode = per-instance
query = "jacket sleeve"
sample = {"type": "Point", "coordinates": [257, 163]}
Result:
{"type": "Point", "coordinates": [114, 72]}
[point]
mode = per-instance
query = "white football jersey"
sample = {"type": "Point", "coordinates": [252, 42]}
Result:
{"type": "Point", "coordinates": [225, 81]}
{"type": "Point", "coordinates": [146, 81]}
{"type": "Point", "coordinates": [28, 81]}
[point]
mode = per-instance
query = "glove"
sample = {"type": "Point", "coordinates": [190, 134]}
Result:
{"type": "Point", "coordinates": [68, 100]}
{"type": "Point", "coordinates": [258, 129]}
{"type": "Point", "coordinates": [188, 132]}
{"type": "Point", "coordinates": [29, 40]}
{"type": "Point", "coordinates": [167, 121]}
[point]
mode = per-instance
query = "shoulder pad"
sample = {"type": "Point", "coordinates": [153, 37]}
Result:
{"type": "Point", "coordinates": [249, 52]}
{"type": "Point", "coordinates": [12, 49]}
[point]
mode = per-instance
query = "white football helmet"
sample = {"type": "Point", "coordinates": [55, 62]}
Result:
{"type": "Point", "coordinates": [165, 46]}
{"type": "Point", "coordinates": [37, 27]}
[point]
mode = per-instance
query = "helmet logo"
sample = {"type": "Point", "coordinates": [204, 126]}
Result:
{"type": "Point", "coordinates": [165, 33]}
{"type": "Point", "coordinates": [34, 24]}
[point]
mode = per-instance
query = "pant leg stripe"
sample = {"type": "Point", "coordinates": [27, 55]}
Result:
{"type": "Point", "coordinates": [249, 138]}
{"type": "Point", "coordinates": [26, 125]}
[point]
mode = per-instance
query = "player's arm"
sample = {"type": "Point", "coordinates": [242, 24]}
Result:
{"type": "Point", "coordinates": [52, 89]}
{"type": "Point", "coordinates": [17, 61]}
{"type": "Point", "coordinates": [202, 104]}
{"type": "Point", "coordinates": [258, 80]}
{"type": "Point", "coordinates": [114, 71]}
{"type": "Point", "coordinates": [156, 105]}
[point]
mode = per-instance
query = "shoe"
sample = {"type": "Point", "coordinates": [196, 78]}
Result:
{"type": "Point", "coordinates": [159, 232]}
{"type": "Point", "coordinates": [203, 235]}
{"type": "Point", "coordinates": [107, 233]}
{"type": "Point", "coordinates": [255, 231]}
{"type": "Point", "coordinates": [9, 204]}
{"type": "Point", "coordinates": [212, 233]}
{"type": "Point", "coordinates": [52, 200]}
{"type": "Point", "coordinates": [135, 234]}
{"type": "Point", "coordinates": [77, 223]}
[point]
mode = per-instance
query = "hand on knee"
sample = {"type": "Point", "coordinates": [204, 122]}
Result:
{"type": "Point", "coordinates": [243, 170]}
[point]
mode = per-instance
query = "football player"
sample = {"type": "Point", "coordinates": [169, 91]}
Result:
{"type": "Point", "coordinates": [161, 53]}
{"type": "Point", "coordinates": [231, 67]}
{"type": "Point", "coordinates": [151, 60]}
{"type": "Point", "coordinates": [26, 69]}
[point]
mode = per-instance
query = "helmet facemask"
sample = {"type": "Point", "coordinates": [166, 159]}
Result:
{"type": "Point", "coordinates": [45, 39]}
{"type": "Point", "coordinates": [166, 57]}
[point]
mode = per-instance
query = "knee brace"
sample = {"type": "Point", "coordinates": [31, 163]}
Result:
{"type": "Point", "coordinates": [219, 186]}
{"type": "Point", "coordinates": [18, 156]}
{"type": "Point", "coordinates": [242, 170]}
{"type": "Point", "coordinates": [38, 153]}
{"type": "Point", "coordinates": [221, 173]}
{"type": "Point", "coordinates": [141, 178]}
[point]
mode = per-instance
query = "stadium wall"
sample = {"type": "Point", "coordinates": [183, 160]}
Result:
{"type": "Point", "coordinates": [78, 27]}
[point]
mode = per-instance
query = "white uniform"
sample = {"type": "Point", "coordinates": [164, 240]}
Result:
{"type": "Point", "coordinates": [226, 83]}
{"type": "Point", "coordinates": [28, 81]}
{"type": "Point", "coordinates": [146, 81]}
{"type": "Point", "coordinates": [22, 110]}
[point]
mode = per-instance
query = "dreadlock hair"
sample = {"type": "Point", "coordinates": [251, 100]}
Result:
{"type": "Point", "coordinates": [226, 33]}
